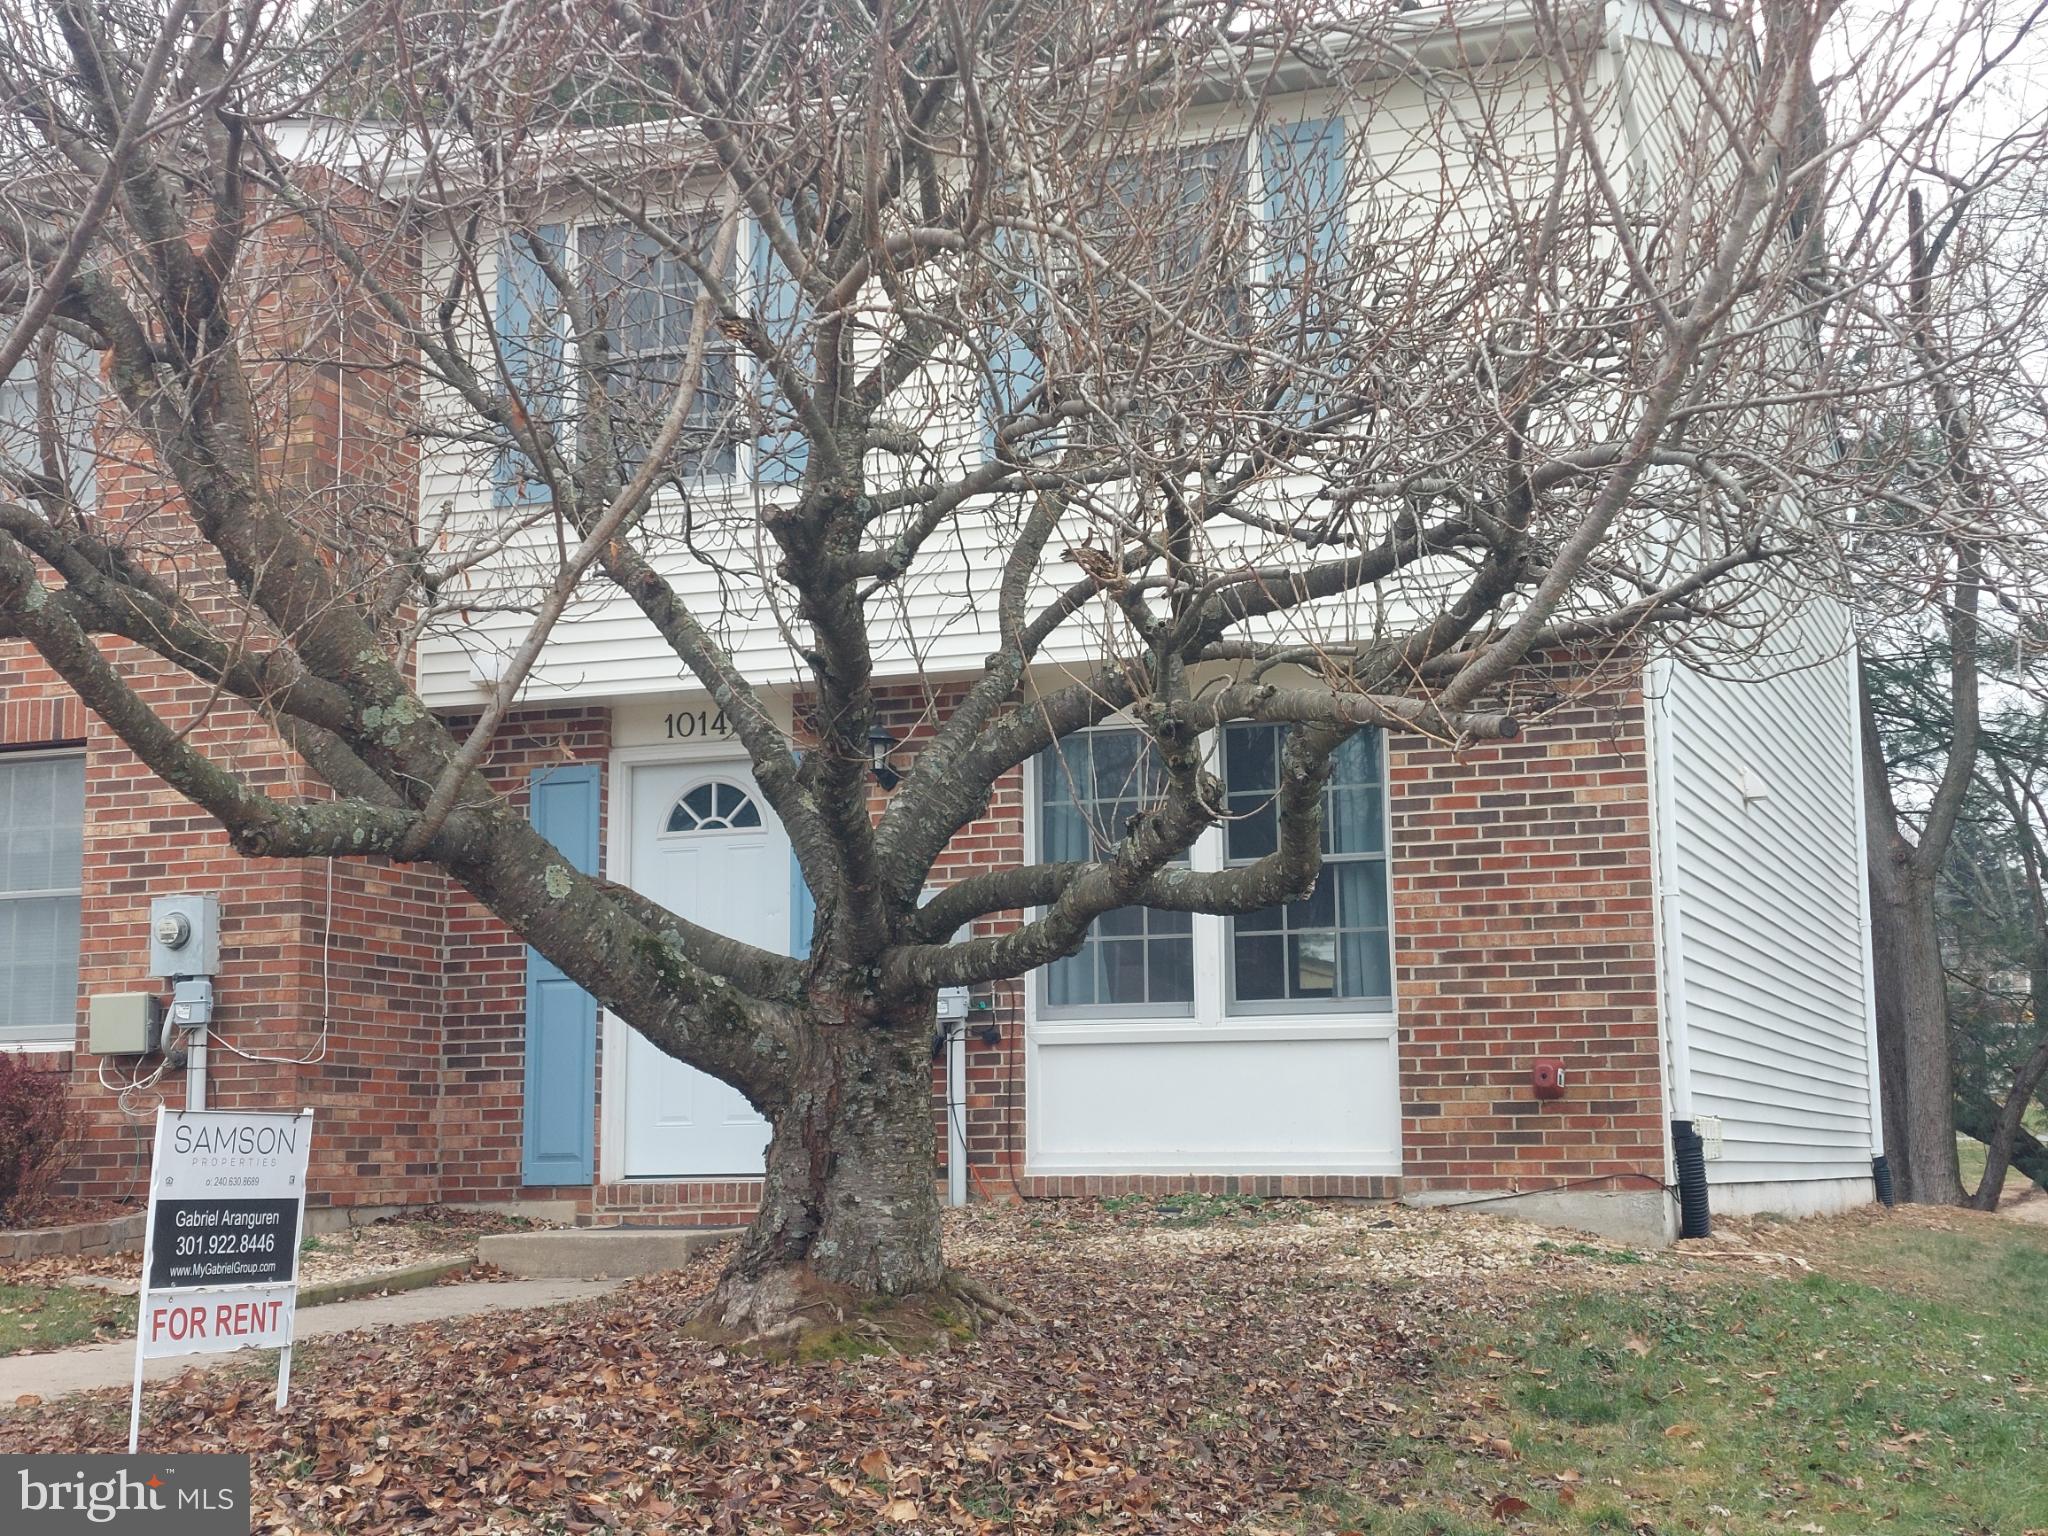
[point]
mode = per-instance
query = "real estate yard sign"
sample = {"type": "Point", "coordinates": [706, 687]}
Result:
{"type": "Point", "coordinates": [220, 1247]}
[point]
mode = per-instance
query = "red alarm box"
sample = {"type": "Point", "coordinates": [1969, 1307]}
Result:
{"type": "Point", "coordinates": [1546, 1078]}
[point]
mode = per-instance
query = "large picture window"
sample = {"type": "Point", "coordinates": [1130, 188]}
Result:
{"type": "Point", "coordinates": [1134, 960]}
{"type": "Point", "coordinates": [1329, 953]}
{"type": "Point", "coordinates": [1332, 947]}
{"type": "Point", "coordinates": [42, 841]}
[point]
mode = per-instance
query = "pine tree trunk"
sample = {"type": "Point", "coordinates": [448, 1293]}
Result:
{"type": "Point", "coordinates": [850, 1212]}
{"type": "Point", "coordinates": [1912, 1035]}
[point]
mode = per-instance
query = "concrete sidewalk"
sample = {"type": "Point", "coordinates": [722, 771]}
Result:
{"type": "Point", "coordinates": [93, 1366]}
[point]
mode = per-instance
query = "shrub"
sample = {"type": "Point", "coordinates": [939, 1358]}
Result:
{"type": "Point", "coordinates": [32, 1127]}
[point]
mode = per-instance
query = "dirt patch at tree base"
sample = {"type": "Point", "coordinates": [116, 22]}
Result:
{"type": "Point", "coordinates": [793, 1315]}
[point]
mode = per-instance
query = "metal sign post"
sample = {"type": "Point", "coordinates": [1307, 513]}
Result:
{"type": "Point", "coordinates": [220, 1242]}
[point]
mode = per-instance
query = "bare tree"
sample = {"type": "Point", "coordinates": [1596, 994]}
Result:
{"type": "Point", "coordinates": [1307, 364]}
{"type": "Point", "coordinates": [1992, 902]}
{"type": "Point", "coordinates": [2016, 777]}
{"type": "Point", "coordinates": [1947, 566]}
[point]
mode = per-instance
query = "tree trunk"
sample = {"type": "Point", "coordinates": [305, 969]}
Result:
{"type": "Point", "coordinates": [2005, 1130]}
{"type": "Point", "coordinates": [1979, 1117]}
{"type": "Point", "coordinates": [1916, 1078]}
{"type": "Point", "coordinates": [850, 1212]}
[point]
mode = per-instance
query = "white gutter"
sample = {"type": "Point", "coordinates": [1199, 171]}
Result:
{"type": "Point", "coordinates": [1863, 902]}
{"type": "Point", "coordinates": [956, 1112]}
{"type": "Point", "coordinates": [1670, 896]}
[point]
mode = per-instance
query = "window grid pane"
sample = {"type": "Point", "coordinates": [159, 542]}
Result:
{"type": "Point", "coordinates": [42, 820]}
{"type": "Point", "coordinates": [1090, 786]}
{"type": "Point", "coordinates": [1332, 946]}
{"type": "Point", "coordinates": [645, 298]}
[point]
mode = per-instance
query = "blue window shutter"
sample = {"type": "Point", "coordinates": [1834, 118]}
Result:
{"type": "Point", "coordinates": [1015, 366]}
{"type": "Point", "coordinates": [803, 906]}
{"type": "Point", "coordinates": [532, 344]}
{"type": "Point", "coordinates": [560, 1097]}
{"type": "Point", "coordinates": [782, 452]}
{"type": "Point", "coordinates": [1302, 166]}
{"type": "Point", "coordinates": [803, 910]}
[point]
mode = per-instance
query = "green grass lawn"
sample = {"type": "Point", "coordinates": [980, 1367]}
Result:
{"type": "Point", "coordinates": [1901, 1389]}
{"type": "Point", "coordinates": [51, 1316]}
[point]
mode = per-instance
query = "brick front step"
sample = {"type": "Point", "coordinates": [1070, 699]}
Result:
{"type": "Point", "coordinates": [591, 1253]}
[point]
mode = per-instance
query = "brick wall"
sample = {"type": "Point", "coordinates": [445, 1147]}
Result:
{"type": "Point", "coordinates": [1524, 922]}
{"type": "Point", "coordinates": [1521, 882]}
{"type": "Point", "coordinates": [992, 1116]}
{"type": "Point", "coordinates": [377, 1090]}
{"type": "Point", "coordinates": [1523, 928]}
{"type": "Point", "coordinates": [484, 999]}
{"type": "Point", "coordinates": [143, 840]}
{"type": "Point", "coordinates": [328, 970]}
{"type": "Point", "coordinates": [331, 970]}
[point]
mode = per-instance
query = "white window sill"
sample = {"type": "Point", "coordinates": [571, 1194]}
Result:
{"type": "Point", "coordinates": [1252, 1165]}
{"type": "Point", "coordinates": [67, 1046]}
{"type": "Point", "coordinates": [1378, 1025]}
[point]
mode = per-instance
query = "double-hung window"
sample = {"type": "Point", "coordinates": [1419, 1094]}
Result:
{"type": "Point", "coordinates": [642, 299]}
{"type": "Point", "coordinates": [50, 404]}
{"type": "Point", "coordinates": [1331, 947]}
{"type": "Point", "coordinates": [42, 840]}
{"type": "Point", "coordinates": [1135, 961]}
{"type": "Point", "coordinates": [1175, 224]}
{"type": "Point", "coordinates": [1328, 953]}
{"type": "Point", "coordinates": [1178, 217]}
{"type": "Point", "coordinates": [1193, 244]}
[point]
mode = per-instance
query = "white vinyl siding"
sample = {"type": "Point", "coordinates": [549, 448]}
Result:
{"type": "Point", "coordinates": [1764, 789]}
{"type": "Point", "coordinates": [935, 621]}
{"type": "Point", "coordinates": [42, 842]}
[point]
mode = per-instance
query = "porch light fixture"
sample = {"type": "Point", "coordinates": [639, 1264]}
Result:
{"type": "Point", "coordinates": [880, 745]}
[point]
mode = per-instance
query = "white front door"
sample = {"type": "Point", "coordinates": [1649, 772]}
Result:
{"type": "Point", "coordinates": [706, 846]}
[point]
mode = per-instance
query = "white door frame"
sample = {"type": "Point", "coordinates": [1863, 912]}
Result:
{"type": "Point", "coordinates": [618, 864]}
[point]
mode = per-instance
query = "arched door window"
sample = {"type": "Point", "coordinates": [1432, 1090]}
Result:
{"type": "Point", "coordinates": [714, 807]}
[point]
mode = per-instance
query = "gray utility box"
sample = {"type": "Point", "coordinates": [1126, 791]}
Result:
{"type": "Point", "coordinates": [184, 936]}
{"type": "Point", "coordinates": [124, 1024]}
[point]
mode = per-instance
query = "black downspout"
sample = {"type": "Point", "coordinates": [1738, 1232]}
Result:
{"type": "Point", "coordinates": [1689, 1151]}
{"type": "Point", "coordinates": [1881, 1175]}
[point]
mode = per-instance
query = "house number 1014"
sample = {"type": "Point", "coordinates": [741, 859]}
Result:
{"type": "Point", "coordinates": [687, 723]}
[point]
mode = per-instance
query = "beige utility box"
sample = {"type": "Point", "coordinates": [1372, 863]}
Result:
{"type": "Point", "coordinates": [123, 1023]}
